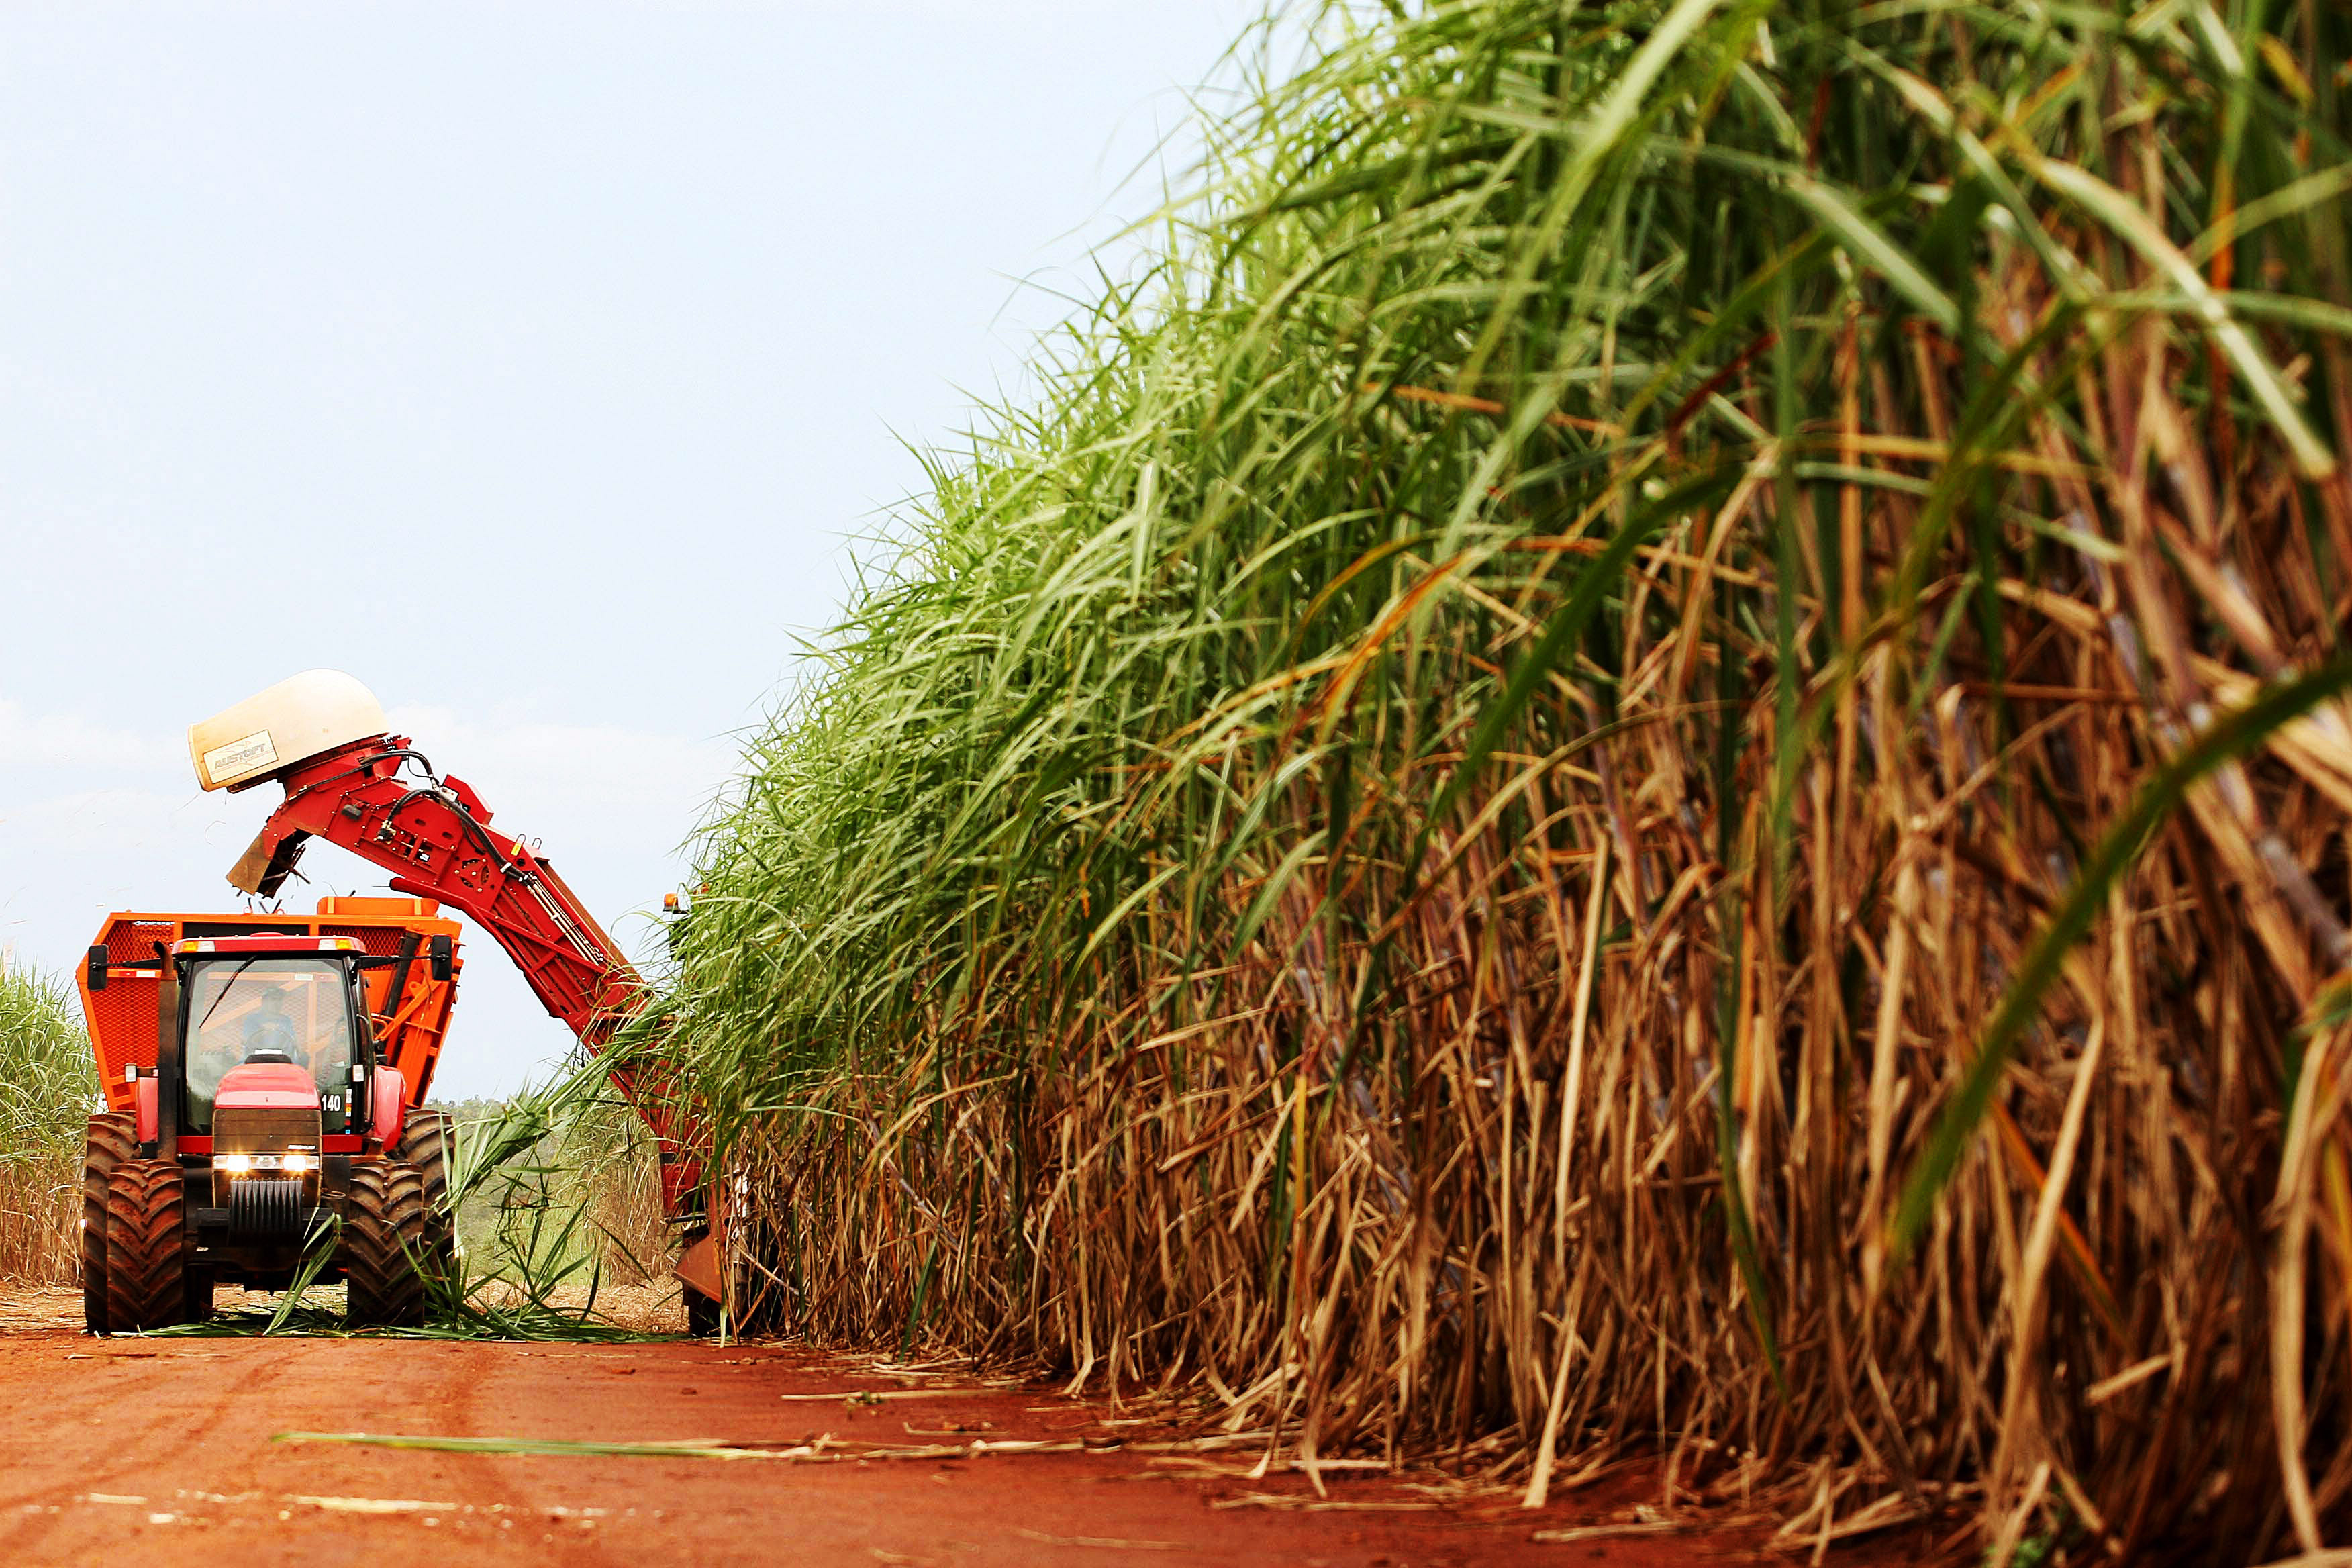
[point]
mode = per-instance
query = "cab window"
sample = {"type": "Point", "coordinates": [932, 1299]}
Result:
{"type": "Point", "coordinates": [244, 1009]}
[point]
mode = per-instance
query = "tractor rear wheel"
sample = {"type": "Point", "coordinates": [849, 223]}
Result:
{"type": "Point", "coordinates": [146, 1246]}
{"type": "Point", "coordinates": [384, 1243]}
{"type": "Point", "coordinates": [113, 1140]}
{"type": "Point", "coordinates": [424, 1143]}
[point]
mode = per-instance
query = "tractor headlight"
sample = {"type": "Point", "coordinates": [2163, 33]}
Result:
{"type": "Point", "coordinates": [236, 1164]}
{"type": "Point", "coordinates": [297, 1163]}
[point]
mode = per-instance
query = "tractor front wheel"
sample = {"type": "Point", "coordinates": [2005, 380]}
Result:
{"type": "Point", "coordinates": [113, 1140]}
{"type": "Point", "coordinates": [386, 1244]}
{"type": "Point", "coordinates": [146, 1246]}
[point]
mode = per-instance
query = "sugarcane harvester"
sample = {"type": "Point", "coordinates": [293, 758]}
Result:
{"type": "Point", "coordinates": [252, 1178]}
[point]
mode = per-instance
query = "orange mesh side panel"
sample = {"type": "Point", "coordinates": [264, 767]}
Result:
{"type": "Point", "coordinates": [122, 1019]}
{"type": "Point", "coordinates": [133, 942]}
{"type": "Point", "coordinates": [122, 1029]}
{"type": "Point", "coordinates": [377, 940]}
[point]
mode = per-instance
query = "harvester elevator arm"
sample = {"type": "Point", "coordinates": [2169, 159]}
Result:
{"type": "Point", "coordinates": [433, 834]}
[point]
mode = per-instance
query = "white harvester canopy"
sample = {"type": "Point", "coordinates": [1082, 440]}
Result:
{"type": "Point", "coordinates": [294, 720]}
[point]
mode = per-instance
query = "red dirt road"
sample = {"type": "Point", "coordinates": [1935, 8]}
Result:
{"type": "Point", "coordinates": [163, 1448]}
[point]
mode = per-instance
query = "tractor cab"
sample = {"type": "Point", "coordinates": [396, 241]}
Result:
{"type": "Point", "coordinates": [270, 1017]}
{"type": "Point", "coordinates": [266, 1022]}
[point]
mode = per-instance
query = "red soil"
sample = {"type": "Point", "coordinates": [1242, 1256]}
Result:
{"type": "Point", "coordinates": [161, 1449]}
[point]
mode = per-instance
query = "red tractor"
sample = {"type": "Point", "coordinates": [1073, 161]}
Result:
{"type": "Point", "coordinates": [265, 1079]}
{"type": "Point", "coordinates": [266, 1073]}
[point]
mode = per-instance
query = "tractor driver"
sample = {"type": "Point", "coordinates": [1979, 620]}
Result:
{"type": "Point", "coordinates": [266, 1028]}
{"type": "Point", "coordinates": [270, 1029]}
{"type": "Point", "coordinates": [322, 1055]}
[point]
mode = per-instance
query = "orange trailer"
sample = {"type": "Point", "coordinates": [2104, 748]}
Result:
{"type": "Point", "coordinates": [411, 1008]}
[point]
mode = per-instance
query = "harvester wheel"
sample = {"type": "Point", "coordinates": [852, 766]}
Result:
{"type": "Point", "coordinates": [384, 1243]}
{"type": "Point", "coordinates": [749, 1308]}
{"type": "Point", "coordinates": [146, 1246]}
{"type": "Point", "coordinates": [112, 1139]}
{"type": "Point", "coordinates": [424, 1143]}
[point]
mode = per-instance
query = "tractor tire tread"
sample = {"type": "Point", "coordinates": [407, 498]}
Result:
{"type": "Point", "coordinates": [146, 1245]}
{"type": "Point", "coordinates": [386, 1244]}
{"type": "Point", "coordinates": [424, 1143]}
{"type": "Point", "coordinates": [113, 1140]}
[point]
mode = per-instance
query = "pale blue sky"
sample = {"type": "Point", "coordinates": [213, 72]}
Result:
{"type": "Point", "coordinates": [533, 362]}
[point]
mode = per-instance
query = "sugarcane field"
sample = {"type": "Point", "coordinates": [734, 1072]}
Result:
{"type": "Point", "coordinates": [1422, 783]}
